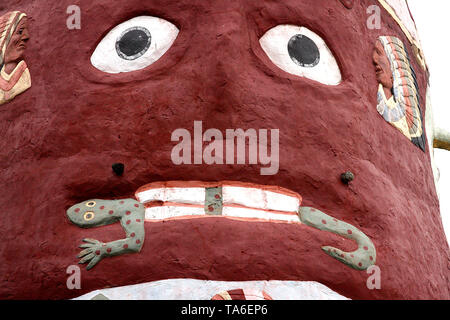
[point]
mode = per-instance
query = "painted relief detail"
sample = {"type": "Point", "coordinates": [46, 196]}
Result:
{"type": "Point", "coordinates": [398, 92]}
{"type": "Point", "coordinates": [14, 74]}
{"type": "Point", "coordinates": [361, 258]}
{"type": "Point", "coordinates": [241, 294]}
{"type": "Point", "coordinates": [235, 200]}
{"type": "Point", "coordinates": [95, 213]}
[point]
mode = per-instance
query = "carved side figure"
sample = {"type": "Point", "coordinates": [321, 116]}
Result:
{"type": "Point", "coordinates": [14, 74]}
{"type": "Point", "coordinates": [398, 92]}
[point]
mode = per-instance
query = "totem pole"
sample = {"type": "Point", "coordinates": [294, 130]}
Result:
{"type": "Point", "coordinates": [220, 150]}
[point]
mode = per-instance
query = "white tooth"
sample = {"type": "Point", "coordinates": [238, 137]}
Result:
{"type": "Point", "coordinates": [258, 214]}
{"type": "Point", "coordinates": [150, 195]}
{"type": "Point", "coordinates": [178, 195]}
{"type": "Point", "coordinates": [166, 212]}
{"type": "Point", "coordinates": [259, 199]}
{"type": "Point", "coordinates": [249, 197]}
{"type": "Point", "coordinates": [281, 202]}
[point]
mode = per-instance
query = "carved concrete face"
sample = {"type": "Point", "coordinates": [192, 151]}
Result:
{"type": "Point", "coordinates": [18, 43]}
{"type": "Point", "coordinates": [216, 70]}
{"type": "Point", "coordinates": [382, 66]}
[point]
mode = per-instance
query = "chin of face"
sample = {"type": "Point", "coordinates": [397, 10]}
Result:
{"type": "Point", "coordinates": [15, 56]}
{"type": "Point", "coordinates": [385, 80]}
{"type": "Point", "coordinates": [387, 83]}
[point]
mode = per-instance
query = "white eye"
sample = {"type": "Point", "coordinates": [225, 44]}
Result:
{"type": "Point", "coordinates": [134, 45]}
{"type": "Point", "coordinates": [299, 51]}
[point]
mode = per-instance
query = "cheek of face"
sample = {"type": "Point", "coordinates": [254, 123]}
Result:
{"type": "Point", "coordinates": [386, 78]}
{"type": "Point", "coordinates": [383, 68]}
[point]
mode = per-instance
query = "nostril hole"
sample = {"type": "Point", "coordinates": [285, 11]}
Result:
{"type": "Point", "coordinates": [118, 168]}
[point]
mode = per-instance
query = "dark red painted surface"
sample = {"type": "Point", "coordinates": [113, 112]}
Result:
{"type": "Point", "coordinates": [60, 138]}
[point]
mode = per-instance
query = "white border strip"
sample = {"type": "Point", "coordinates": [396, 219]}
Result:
{"type": "Point", "coordinates": [192, 289]}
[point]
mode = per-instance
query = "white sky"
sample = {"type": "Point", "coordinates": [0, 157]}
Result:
{"type": "Point", "coordinates": [431, 19]}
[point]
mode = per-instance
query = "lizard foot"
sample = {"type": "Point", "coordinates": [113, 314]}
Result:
{"type": "Point", "coordinates": [93, 252]}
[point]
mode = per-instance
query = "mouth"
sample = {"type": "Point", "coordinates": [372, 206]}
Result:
{"type": "Point", "coordinates": [378, 70]}
{"type": "Point", "coordinates": [246, 201]}
{"type": "Point", "coordinates": [235, 200]}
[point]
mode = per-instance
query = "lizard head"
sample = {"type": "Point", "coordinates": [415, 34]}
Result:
{"type": "Point", "coordinates": [91, 213]}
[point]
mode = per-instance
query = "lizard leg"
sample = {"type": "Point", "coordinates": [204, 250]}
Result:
{"type": "Point", "coordinates": [132, 221]}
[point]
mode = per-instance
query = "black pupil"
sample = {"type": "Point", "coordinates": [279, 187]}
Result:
{"type": "Point", "coordinates": [303, 51]}
{"type": "Point", "coordinates": [89, 216]}
{"type": "Point", "coordinates": [133, 44]}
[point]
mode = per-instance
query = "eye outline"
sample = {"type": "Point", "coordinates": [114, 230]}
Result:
{"type": "Point", "coordinates": [91, 204]}
{"type": "Point", "coordinates": [105, 58]}
{"type": "Point", "coordinates": [86, 213]}
{"type": "Point", "coordinates": [330, 72]}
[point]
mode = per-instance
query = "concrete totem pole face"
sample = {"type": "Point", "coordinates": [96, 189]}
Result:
{"type": "Point", "coordinates": [216, 134]}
